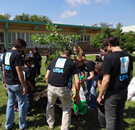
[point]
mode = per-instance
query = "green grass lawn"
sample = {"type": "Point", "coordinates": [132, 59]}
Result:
{"type": "Point", "coordinates": [38, 120]}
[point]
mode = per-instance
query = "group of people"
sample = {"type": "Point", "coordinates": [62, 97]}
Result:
{"type": "Point", "coordinates": [111, 73]}
{"type": "Point", "coordinates": [19, 72]}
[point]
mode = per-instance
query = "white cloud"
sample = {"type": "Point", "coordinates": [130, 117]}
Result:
{"type": "Point", "coordinates": [77, 2]}
{"type": "Point", "coordinates": [99, 1]}
{"type": "Point", "coordinates": [68, 14]}
{"type": "Point", "coordinates": [58, 22]}
{"type": "Point", "coordinates": [12, 18]}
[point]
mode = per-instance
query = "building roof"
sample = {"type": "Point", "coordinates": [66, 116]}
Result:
{"type": "Point", "coordinates": [38, 23]}
{"type": "Point", "coordinates": [62, 25]}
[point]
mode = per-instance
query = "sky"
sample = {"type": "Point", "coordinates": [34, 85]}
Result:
{"type": "Point", "coordinates": [75, 12]}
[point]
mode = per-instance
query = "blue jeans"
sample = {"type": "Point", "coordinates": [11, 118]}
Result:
{"type": "Point", "coordinates": [29, 102]}
{"type": "Point", "coordinates": [90, 87]}
{"type": "Point", "coordinates": [15, 92]}
{"type": "Point", "coordinates": [2, 78]}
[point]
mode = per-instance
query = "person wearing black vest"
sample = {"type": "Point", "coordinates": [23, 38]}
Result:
{"type": "Point", "coordinates": [15, 84]}
{"type": "Point", "coordinates": [57, 77]}
{"type": "Point", "coordinates": [117, 72]}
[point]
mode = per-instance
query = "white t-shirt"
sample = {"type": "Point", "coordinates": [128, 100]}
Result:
{"type": "Point", "coordinates": [131, 90]}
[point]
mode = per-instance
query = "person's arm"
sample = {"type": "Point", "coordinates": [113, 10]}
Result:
{"type": "Point", "coordinates": [3, 72]}
{"type": "Point", "coordinates": [99, 84]}
{"type": "Point", "coordinates": [30, 84]}
{"type": "Point", "coordinates": [4, 76]}
{"type": "Point", "coordinates": [21, 78]}
{"type": "Point", "coordinates": [83, 73]}
{"type": "Point", "coordinates": [103, 52]}
{"type": "Point", "coordinates": [47, 76]}
{"type": "Point", "coordinates": [104, 86]}
{"type": "Point", "coordinates": [90, 77]}
{"type": "Point", "coordinates": [77, 84]}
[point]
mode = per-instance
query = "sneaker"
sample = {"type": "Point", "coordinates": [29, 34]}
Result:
{"type": "Point", "coordinates": [26, 128]}
{"type": "Point", "coordinates": [23, 129]}
{"type": "Point", "coordinates": [11, 127]}
{"type": "Point", "coordinates": [51, 127]}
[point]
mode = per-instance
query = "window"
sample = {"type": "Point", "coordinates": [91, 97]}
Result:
{"type": "Point", "coordinates": [81, 38]}
{"type": "Point", "coordinates": [13, 36]}
{"type": "Point", "coordinates": [9, 37]}
{"type": "Point", "coordinates": [18, 35]}
{"type": "Point", "coordinates": [26, 36]}
{"type": "Point", "coordinates": [84, 38]}
{"type": "Point", "coordinates": [88, 38]}
{"type": "Point", "coordinates": [30, 37]}
{"type": "Point", "coordinates": [2, 38]}
{"type": "Point", "coordinates": [22, 36]}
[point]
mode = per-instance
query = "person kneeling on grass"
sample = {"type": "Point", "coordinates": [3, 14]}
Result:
{"type": "Point", "coordinates": [79, 109]}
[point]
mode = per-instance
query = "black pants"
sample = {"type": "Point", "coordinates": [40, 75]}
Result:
{"type": "Point", "coordinates": [114, 109]}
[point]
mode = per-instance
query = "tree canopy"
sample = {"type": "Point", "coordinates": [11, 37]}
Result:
{"type": "Point", "coordinates": [32, 18]}
{"type": "Point", "coordinates": [5, 16]}
{"type": "Point", "coordinates": [127, 40]}
{"type": "Point", "coordinates": [55, 39]}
